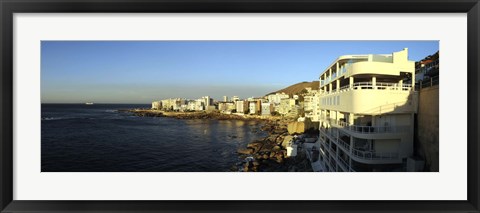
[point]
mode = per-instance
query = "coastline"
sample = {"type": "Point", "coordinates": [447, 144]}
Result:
{"type": "Point", "coordinates": [268, 154]}
{"type": "Point", "coordinates": [199, 115]}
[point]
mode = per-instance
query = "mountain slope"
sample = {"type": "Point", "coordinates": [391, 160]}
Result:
{"type": "Point", "coordinates": [297, 88]}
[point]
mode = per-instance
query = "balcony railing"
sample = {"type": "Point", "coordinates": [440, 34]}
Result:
{"type": "Point", "coordinates": [372, 155]}
{"type": "Point", "coordinates": [369, 85]}
{"type": "Point", "coordinates": [368, 129]}
{"type": "Point", "coordinates": [362, 154]}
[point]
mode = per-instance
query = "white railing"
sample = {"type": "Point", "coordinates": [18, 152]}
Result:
{"type": "Point", "coordinates": [362, 154]}
{"type": "Point", "coordinates": [369, 85]}
{"type": "Point", "coordinates": [344, 144]}
{"type": "Point", "coordinates": [368, 129]}
{"type": "Point", "coordinates": [372, 155]}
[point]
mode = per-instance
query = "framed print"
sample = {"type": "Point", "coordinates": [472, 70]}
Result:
{"type": "Point", "coordinates": [242, 106]}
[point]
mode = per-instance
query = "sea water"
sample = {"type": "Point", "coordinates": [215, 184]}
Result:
{"type": "Point", "coordinates": [100, 138]}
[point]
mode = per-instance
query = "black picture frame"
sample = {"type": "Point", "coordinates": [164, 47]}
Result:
{"type": "Point", "coordinates": [9, 7]}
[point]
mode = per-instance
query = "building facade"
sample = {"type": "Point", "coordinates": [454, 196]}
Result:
{"type": "Point", "coordinates": [277, 97]}
{"type": "Point", "coordinates": [157, 105]}
{"type": "Point", "coordinates": [367, 113]}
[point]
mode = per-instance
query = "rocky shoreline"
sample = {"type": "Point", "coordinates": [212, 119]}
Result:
{"type": "Point", "coordinates": [268, 154]}
{"type": "Point", "coordinates": [197, 115]}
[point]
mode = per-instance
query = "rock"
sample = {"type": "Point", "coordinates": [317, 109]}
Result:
{"type": "Point", "coordinates": [265, 156]}
{"type": "Point", "coordinates": [266, 148]}
{"type": "Point", "coordinates": [286, 140]}
{"type": "Point", "coordinates": [279, 155]}
{"type": "Point", "coordinates": [279, 160]}
{"type": "Point", "coordinates": [256, 146]}
{"type": "Point", "coordinates": [276, 148]}
{"type": "Point", "coordinates": [247, 151]}
{"type": "Point", "coordinates": [256, 163]}
{"type": "Point", "coordinates": [272, 154]}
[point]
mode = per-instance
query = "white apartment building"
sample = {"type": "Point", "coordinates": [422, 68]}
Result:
{"type": "Point", "coordinates": [240, 106]}
{"type": "Point", "coordinates": [266, 108]}
{"type": "Point", "coordinates": [208, 101]}
{"type": "Point", "coordinates": [156, 105]}
{"type": "Point", "coordinates": [312, 105]}
{"type": "Point", "coordinates": [367, 113]}
{"type": "Point", "coordinates": [277, 97]}
{"type": "Point", "coordinates": [200, 104]}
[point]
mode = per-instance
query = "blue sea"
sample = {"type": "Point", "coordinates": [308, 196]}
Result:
{"type": "Point", "coordinates": [99, 138]}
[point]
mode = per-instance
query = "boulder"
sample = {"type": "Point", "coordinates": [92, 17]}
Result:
{"type": "Point", "coordinates": [267, 148]}
{"type": "Point", "coordinates": [272, 154]}
{"type": "Point", "coordinates": [256, 146]}
{"type": "Point", "coordinates": [286, 140]}
{"type": "Point", "coordinates": [247, 151]}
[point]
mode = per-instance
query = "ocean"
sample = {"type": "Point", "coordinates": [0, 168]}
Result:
{"type": "Point", "coordinates": [99, 138]}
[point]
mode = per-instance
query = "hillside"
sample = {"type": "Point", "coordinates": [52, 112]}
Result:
{"type": "Point", "coordinates": [297, 88]}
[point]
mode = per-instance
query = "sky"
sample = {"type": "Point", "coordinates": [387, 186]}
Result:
{"type": "Point", "coordinates": [144, 71]}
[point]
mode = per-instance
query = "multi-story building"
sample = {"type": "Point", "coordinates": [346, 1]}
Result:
{"type": "Point", "coordinates": [427, 67]}
{"type": "Point", "coordinates": [311, 105]}
{"type": "Point", "coordinates": [266, 108]}
{"type": "Point", "coordinates": [208, 101]}
{"type": "Point", "coordinates": [367, 113]}
{"type": "Point", "coordinates": [241, 106]}
{"type": "Point", "coordinates": [172, 103]}
{"type": "Point", "coordinates": [254, 107]}
{"type": "Point", "coordinates": [235, 98]}
{"type": "Point", "coordinates": [191, 105]}
{"type": "Point", "coordinates": [277, 97]}
{"type": "Point", "coordinates": [200, 104]}
{"type": "Point", "coordinates": [286, 106]}
{"type": "Point", "coordinates": [156, 105]}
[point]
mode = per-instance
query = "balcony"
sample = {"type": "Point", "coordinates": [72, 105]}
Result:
{"type": "Point", "coordinates": [372, 155]}
{"type": "Point", "coordinates": [369, 85]}
{"type": "Point", "coordinates": [366, 129]}
{"type": "Point", "coordinates": [362, 155]}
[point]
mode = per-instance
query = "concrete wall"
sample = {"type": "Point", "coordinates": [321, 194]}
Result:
{"type": "Point", "coordinates": [427, 137]}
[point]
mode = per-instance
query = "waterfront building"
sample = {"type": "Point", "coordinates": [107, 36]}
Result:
{"type": "Point", "coordinates": [277, 97]}
{"type": "Point", "coordinates": [367, 113]}
{"type": "Point", "coordinates": [172, 103]}
{"type": "Point", "coordinates": [286, 106]}
{"type": "Point", "coordinates": [208, 101]}
{"type": "Point", "coordinates": [157, 105]}
{"type": "Point", "coordinates": [225, 99]}
{"type": "Point", "coordinates": [200, 104]}
{"type": "Point", "coordinates": [222, 106]}
{"type": "Point", "coordinates": [231, 106]}
{"type": "Point", "coordinates": [427, 67]}
{"type": "Point", "coordinates": [252, 107]}
{"type": "Point", "coordinates": [191, 105]}
{"type": "Point", "coordinates": [235, 98]}
{"type": "Point", "coordinates": [311, 104]}
{"type": "Point", "coordinates": [266, 108]}
{"type": "Point", "coordinates": [241, 106]}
